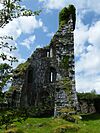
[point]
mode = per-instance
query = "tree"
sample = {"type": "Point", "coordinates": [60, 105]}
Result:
{"type": "Point", "coordinates": [93, 91]}
{"type": "Point", "coordinates": [1, 97]}
{"type": "Point", "coordinates": [11, 9]}
{"type": "Point", "coordinates": [5, 74]}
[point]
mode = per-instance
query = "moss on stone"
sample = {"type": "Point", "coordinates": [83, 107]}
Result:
{"type": "Point", "coordinates": [20, 70]}
{"type": "Point", "coordinates": [65, 62]}
{"type": "Point", "coordinates": [64, 128]}
{"type": "Point", "coordinates": [65, 14]}
{"type": "Point", "coordinates": [66, 110]}
{"type": "Point", "coordinates": [12, 88]}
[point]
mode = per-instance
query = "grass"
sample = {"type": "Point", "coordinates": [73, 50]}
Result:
{"type": "Point", "coordinates": [89, 124]}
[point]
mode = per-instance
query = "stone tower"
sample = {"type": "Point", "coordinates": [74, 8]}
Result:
{"type": "Point", "coordinates": [47, 78]}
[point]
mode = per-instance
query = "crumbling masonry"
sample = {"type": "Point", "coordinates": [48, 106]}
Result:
{"type": "Point", "coordinates": [48, 76]}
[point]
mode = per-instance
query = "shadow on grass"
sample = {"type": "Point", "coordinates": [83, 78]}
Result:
{"type": "Point", "coordinates": [90, 117]}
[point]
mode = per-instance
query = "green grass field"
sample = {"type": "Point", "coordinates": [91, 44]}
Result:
{"type": "Point", "coordinates": [89, 124]}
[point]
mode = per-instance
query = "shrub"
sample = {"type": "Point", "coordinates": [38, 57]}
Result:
{"type": "Point", "coordinates": [12, 116]}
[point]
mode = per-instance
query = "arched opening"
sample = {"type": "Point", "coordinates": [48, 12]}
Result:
{"type": "Point", "coordinates": [30, 76]}
{"type": "Point", "coordinates": [52, 75]}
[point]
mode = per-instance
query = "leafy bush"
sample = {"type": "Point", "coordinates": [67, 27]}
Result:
{"type": "Point", "coordinates": [12, 116]}
{"type": "Point", "coordinates": [87, 96]}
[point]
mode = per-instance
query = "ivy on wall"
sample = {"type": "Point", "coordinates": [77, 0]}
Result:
{"type": "Point", "coordinates": [65, 62]}
{"type": "Point", "coordinates": [21, 68]}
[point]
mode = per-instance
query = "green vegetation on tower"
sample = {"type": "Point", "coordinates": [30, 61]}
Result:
{"type": "Point", "coordinates": [65, 13]}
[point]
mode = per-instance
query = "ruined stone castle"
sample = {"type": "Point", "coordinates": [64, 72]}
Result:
{"type": "Point", "coordinates": [48, 76]}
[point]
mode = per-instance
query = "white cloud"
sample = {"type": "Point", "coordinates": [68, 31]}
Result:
{"type": "Point", "coordinates": [22, 25]}
{"type": "Point", "coordinates": [91, 5]}
{"type": "Point", "coordinates": [28, 41]}
{"type": "Point", "coordinates": [90, 60]}
{"type": "Point", "coordinates": [11, 29]}
{"type": "Point", "coordinates": [29, 24]}
{"type": "Point", "coordinates": [89, 63]}
{"type": "Point", "coordinates": [94, 5]}
{"type": "Point", "coordinates": [94, 34]}
{"type": "Point", "coordinates": [16, 28]}
{"type": "Point", "coordinates": [50, 34]}
{"type": "Point", "coordinates": [12, 54]}
{"type": "Point", "coordinates": [80, 35]}
{"type": "Point", "coordinates": [86, 84]}
{"type": "Point", "coordinates": [45, 29]}
{"type": "Point", "coordinates": [38, 46]}
{"type": "Point", "coordinates": [88, 66]}
{"type": "Point", "coordinates": [53, 4]}
{"type": "Point", "coordinates": [1, 6]}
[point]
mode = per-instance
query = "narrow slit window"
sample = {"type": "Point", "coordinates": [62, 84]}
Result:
{"type": "Point", "coordinates": [51, 80]}
{"type": "Point", "coordinates": [47, 53]}
{"type": "Point", "coordinates": [52, 75]}
{"type": "Point", "coordinates": [30, 76]}
{"type": "Point", "coordinates": [51, 52]}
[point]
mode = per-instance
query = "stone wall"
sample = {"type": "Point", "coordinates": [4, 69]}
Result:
{"type": "Point", "coordinates": [39, 82]}
{"type": "Point", "coordinates": [87, 106]}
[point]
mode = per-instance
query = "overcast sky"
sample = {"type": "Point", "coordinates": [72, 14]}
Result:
{"type": "Point", "coordinates": [32, 32]}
